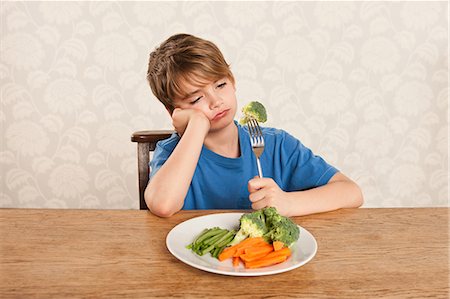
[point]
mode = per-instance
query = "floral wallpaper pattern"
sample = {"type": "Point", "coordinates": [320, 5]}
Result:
{"type": "Point", "coordinates": [364, 84]}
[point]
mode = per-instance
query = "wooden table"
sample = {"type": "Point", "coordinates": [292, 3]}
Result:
{"type": "Point", "coordinates": [362, 253]}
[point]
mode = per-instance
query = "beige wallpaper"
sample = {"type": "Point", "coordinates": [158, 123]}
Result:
{"type": "Point", "coordinates": [364, 84]}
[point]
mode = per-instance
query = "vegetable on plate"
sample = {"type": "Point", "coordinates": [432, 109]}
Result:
{"type": "Point", "coordinates": [263, 239]}
{"type": "Point", "coordinates": [270, 225]}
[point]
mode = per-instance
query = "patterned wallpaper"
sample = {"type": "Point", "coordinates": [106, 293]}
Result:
{"type": "Point", "coordinates": [364, 84]}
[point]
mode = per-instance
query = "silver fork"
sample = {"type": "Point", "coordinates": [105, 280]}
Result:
{"type": "Point", "coordinates": [257, 141]}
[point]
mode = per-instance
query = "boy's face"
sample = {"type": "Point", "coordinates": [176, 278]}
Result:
{"type": "Point", "coordinates": [217, 100]}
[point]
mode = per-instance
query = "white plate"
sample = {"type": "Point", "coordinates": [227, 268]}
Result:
{"type": "Point", "coordinates": [184, 233]}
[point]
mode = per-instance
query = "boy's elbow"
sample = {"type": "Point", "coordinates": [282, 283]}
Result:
{"type": "Point", "coordinates": [162, 212]}
{"type": "Point", "coordinates": [161, 209]}
{"type": "Point", "coordinates": [357, 195]}
{"type": "Point", "coordinates": [352, 193]}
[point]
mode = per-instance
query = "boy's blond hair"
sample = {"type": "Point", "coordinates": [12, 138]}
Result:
{"type": "Point", "coordinates": [184, 58]}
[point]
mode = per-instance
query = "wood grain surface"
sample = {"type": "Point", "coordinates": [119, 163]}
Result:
{"type": "Point", "coordinates": [362, 253]}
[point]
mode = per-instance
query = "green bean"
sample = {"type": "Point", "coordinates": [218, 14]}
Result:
{"type": "Point", "coordinates": [222, 241]}
{"type": "Point", "coordinates": [226, 241]}
{"type": "Point", "coordinates": [211, 232]}
{"type": "Point", "coordinates": [199, 235]}
{"type": "Point", "coordinates": [208, 249]}
{"type": "Point", "coordinates": [213, 240]}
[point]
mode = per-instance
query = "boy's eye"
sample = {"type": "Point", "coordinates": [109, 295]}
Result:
{"type": "Point", "coordinates": [195, 101]}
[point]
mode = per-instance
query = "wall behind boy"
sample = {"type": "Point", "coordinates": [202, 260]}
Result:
{"type": "Point", "coordinates": [364, 84]}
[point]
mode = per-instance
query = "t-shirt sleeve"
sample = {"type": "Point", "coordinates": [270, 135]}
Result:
{"type": "Point", "coordinates": [162, 152]}
{"type": "Point", "coordinates": [159, 158]}
{"type": "Point", "coordinates": [302, 168]}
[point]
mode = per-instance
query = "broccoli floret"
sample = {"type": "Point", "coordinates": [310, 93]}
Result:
{"type": "Point", "coordinates": [253, 109]}
{"type": "Point", "coordinates": [272, 215]}
{"type": "Point", "coordinates": [285, 231]}
{"type": "Point", "coordinates": [270, 225]}
{"type": "Point", "coordinates": [280, 228]}
{"type": "Point", "coordinates": [251, 225]}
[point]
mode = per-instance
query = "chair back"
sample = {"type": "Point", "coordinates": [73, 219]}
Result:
{"type": "Point", "coordinates": [146, 143]}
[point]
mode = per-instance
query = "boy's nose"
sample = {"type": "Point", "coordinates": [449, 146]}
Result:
{"type": "Point", "coordinates": [216, 101]}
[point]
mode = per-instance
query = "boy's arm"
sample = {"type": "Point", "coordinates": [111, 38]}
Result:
{"type": "Point", "coordinates": [339, 192]}
{"type": "Point", "coordinates": [167, 189]}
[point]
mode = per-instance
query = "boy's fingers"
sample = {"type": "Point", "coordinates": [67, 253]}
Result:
{"type": "Point", "coordinates": [252, 185]}
{"type": "Point", "coordinates": [257, 183]}
{"type": "Point", "coordinates": [256, 196]}
{"type": "Point", "coordinates": [259, 205]}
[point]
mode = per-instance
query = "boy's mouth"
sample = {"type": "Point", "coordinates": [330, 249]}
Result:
{"type": "Point", "coordinates": [220, 114]}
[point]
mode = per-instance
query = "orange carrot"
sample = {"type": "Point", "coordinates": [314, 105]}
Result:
{"type": "Point", "coordinates": [239, 252]}
{"type": "Point", "coordinates": [277, 245]}
{"type": "Point", "coordinates": [250, 241]}
{"type": "Point", "coordinates": [256, 250]}
{"type": "Point", "coordinates": [241, 247]}
{"type": "Point", "coordinates": [285, 252]}
{"type": "Point", "coordinates": [256, 253]}
{"type": "Point", "coordinates": [251, 246]}
{"type": "Point", "coordinates": [236, 261]}
{"type": "Point", "coordinates": [263, 262]}
{"type": "Point", "coordinates": [231, 251]}
{"type": "Point", "coordinates": [252, 257]}
{"type": "Point", "coordinates": [271, 258]}
{"type": "Point", "coordinates": [227, 253]}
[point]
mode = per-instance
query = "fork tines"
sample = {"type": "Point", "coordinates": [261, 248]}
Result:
{"type": "Point", "coordinates": [257, 141]}
{"type": "Point", "coordinates": [255, 132]}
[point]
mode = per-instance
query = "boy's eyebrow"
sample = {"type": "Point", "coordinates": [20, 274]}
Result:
{"type": "Point", "coordinates": [187, 95]}
{"type": "Point", "coordinates": [191, 93]}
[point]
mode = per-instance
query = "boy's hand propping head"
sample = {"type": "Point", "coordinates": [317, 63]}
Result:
{"type": "Point", "coordinates": [182, 117]}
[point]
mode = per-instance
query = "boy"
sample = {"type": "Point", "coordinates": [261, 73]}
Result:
{"type": "Point", "coordinates": [209, 163]}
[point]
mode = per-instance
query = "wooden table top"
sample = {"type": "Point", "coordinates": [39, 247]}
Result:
{"type": "Point", "coordinates": [362, 253]}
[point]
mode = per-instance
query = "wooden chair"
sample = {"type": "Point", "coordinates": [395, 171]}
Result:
{"type": "Point", "coordinates": [146, 143]}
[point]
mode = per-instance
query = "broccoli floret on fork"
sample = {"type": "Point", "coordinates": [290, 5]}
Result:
{"type": "Point", "coordinates": [254, 110]}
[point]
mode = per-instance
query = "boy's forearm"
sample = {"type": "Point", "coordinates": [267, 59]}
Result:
{"type": "Point", "coordinates": [339, 193]}
{"type": "Point", "coordinates": [167, 189]}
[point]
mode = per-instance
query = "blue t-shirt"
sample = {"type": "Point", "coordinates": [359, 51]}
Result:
{"type": "Point", "coordinates": [221, 183]}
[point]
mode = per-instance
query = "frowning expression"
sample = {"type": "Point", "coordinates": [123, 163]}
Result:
{"type": "Point", "coordinates": [217, 100]}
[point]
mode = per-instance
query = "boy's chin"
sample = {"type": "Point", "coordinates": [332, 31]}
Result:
{"type": "Point", "coordinates": [221, 124]}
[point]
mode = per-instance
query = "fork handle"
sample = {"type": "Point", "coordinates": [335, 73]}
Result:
{"type": "Point", "coordinates": [259, 168]}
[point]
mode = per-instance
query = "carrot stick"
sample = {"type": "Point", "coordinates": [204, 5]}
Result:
{"type": "Point", "coordinates": [236, 261]}
{"type": "Point", "coordinates": [254, 257]}
{"type": "Point", "coordinates": [231, 251]}
{"type": "Point", "coordinates": [239, 252]}
{"type": "Point", "coordinates": [282, 252]}
{"type": "Point", "coordinates": [252, 243]}
{"type": "Point", "coordinates": [263, 262]}
{"type": "Point", "coordinates": [256, 250]}
{"type": "Point", "coordinates": [277, 245]}
{"type": "Point", "coordinates": [271, 256]}
{"type": "Point", "coordinates": [227, 253]}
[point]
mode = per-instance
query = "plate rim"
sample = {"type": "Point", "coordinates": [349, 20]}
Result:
{"type": "Point", "coordinates": [250, 272]}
